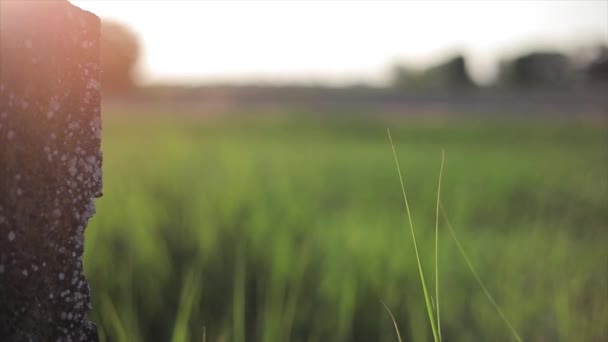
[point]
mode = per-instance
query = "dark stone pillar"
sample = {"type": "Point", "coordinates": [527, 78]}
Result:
{"type": "Point", "coordinates": [50, 167]}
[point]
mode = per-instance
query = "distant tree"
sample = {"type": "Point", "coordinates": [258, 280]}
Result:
{"type": "Point", "coordinates": [597, 71]}
{"type": "Point", "coordinates": [119, 54]}
{"type": "Point", "coordinates": [403, 77]}
{"type": "Point", "coordinates": [538, 69]}
{"type": "Point", "coordinates": [451, 74]}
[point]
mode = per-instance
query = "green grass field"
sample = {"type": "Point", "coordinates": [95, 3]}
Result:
{"type": "Point", "coordinates": [294, 230]}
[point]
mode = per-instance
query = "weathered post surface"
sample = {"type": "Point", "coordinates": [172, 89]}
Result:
{"type": "Point", "coordinates": [50, 167]}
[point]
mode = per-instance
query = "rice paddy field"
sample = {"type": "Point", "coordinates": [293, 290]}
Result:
{"type": "Point", "coordinates": [293, 228]}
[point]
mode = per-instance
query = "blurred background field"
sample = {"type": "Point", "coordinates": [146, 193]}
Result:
{"type": "Point", "coordinates": [294, 229]}
{"type": "Point", "coordinates": [250, 191]}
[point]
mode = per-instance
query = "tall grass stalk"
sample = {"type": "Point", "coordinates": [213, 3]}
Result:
{"type": "Point", "coordinates": [477, 278]}
{"type": "Point", "coordinates": [394, 322]}
{"type": "Point", "coordinates": [437, 244]}
{"type": "Point", "coordinates": [427, 297]}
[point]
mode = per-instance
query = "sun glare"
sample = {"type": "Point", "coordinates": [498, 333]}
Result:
{"type": "Point", "coordinates": [188, 41]}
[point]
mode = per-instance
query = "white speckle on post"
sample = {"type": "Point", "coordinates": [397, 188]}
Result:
{"type": "Point", "coordinates": [61, 276]}
{"type": "Point", "coordinates": [10, 135]}
{"type": "Point", "coordinates": [72, 168]}
{"type": "Point", "coordinates": [55, 105]}
{"type": "Point", "coordinates": [19, 192]}
{"type": "Point", "coordinates": [11, 236]}
{"type": "Point", "coordinates": [25, 273]}
{"type": "Point", "coordinates": [89, 209]}
{"type": "Point", "coordinates": [57, 213]}
{"type": "Point", "coordinates": [94, 84]}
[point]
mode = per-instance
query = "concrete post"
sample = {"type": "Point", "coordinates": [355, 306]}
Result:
{"type": "Point", "coordinates": [50, 167]}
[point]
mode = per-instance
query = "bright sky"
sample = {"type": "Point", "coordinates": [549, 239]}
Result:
{"type": "Point", "coordinates": [342, 41]}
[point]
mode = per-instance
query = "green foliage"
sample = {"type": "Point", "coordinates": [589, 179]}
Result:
{"type": "Point", "coordinates": [275, 230]}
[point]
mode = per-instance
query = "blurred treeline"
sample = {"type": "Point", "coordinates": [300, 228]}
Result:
{"type": "Point", "coordinates": [538, 69]}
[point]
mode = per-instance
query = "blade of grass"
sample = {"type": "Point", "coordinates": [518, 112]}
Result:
{"type": "Point", "coordinates": [239, 301]}
{"type": "Point", "coordinates": [111, 314]}
{"type": "Point", "coordinates": [437, 244]}
{"type": "Point", "coordinates": [189, 297]}
{"type": "Point", "coordinates": [477, 278]}
{"type": "Point", "coordinates": [427, 298]}
{"type": "Point", "coordinates": [394, 322]}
